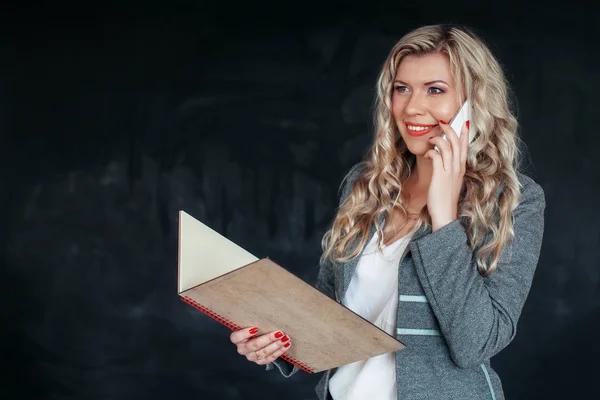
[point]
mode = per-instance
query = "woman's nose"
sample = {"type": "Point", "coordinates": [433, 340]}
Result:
{"type": "Point", "coordinates": [415, 105]}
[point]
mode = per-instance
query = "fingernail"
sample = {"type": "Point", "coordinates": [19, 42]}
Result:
{"type": "Point", "coordinates": [278, 335]}
{"type": "Point", "coordinates": [285, 339]}
{"type": "Point", "coordinates": [468, 125]}
{"type": "Point", "coordinates": [443, 122]}
{"type": "Point", "coordinates": [287, 345]}
{"type": "Point", "coordinates": [253, 331]}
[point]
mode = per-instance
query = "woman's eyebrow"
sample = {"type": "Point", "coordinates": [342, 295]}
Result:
{"type": "Point", "coordinates": [425, 84]}
{"type": "Point", "coordinates": [436, 81]}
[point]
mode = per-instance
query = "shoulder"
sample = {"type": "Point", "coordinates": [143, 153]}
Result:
{"type": "Point", "coordinates": [532, 193]}
{"type": "Point", "coordinates": [351, 177]}
{"type": "Point", "coordinates": [532, 197]}
{"type": "Point", "coordinates": [355, 171]}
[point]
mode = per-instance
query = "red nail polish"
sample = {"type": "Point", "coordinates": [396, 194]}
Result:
{"type": "Point", "coordinates": [278, 335]}
{"type": "Point", "coordinates": [253, 331]}
{"type": "Point", "coordinates": [287, 345]}
{"type": "Point", "coordinates": [468, 125]}
{"type": "Point", "coordinates": [443, 122]}
{"type": "Point", "coordinates": [285, 339]}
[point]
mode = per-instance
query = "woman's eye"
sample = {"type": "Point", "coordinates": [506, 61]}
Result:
{"type": "Point", "coordinates": [401, 89]}
{"type": "Point", "coordinates": [434, 90]}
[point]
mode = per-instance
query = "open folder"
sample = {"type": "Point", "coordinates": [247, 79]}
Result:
{"type": "Point", "coordinates": [239, 290]}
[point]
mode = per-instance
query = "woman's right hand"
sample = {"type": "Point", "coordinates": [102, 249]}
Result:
{"type": "Point", "coordinates": [262, 349]}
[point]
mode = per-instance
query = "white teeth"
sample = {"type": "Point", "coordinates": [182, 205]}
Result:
{"type": "Point", "coordinates": [417, 128]}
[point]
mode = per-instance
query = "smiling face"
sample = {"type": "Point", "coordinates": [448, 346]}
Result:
{"type": "Point", "coordinates": [424, 93]}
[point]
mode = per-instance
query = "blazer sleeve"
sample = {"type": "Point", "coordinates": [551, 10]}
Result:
{"type": "Point", "coordinates": [324, 281]}
{"type": "Point", "coordinates": [478, 315]}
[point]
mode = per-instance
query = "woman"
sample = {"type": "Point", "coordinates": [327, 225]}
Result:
{"type": "Point", "coordinates": [452, 225]}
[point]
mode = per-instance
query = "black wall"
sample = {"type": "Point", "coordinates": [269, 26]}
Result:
{"type": "Point", "coordinates": [115, 116]}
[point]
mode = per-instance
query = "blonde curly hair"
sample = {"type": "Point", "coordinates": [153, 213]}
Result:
{"type": "Point", "coordinates": [492, 162]}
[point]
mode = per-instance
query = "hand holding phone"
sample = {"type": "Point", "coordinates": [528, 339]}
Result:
{"type": "Point", "coordinates": [463, 115]}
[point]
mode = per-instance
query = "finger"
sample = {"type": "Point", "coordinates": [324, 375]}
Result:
{"type": "Point", "coordinates": [451, 135]}
{"type": "Point", "coordinates": [276, 354]}
{"type": "Point", "coordinates": [464, 143]}
{"type": "Point", "coordinates": [436, 158]}
{"type": "Point", "coordinates": [454, 141]}
{"type": "Point", "coordinates": [242, 335]}
{"type": "Point", "coordinates": [264, 352]}
{"type": "Point", "coordinates": [260, 342]}
{"type": "Point", "coordinates": [445, 151]}
{"type": "Point", "coordinates": [272, 351]}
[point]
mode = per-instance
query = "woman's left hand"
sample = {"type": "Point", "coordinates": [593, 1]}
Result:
{"type": "Point", "coordinates": [449, 166]}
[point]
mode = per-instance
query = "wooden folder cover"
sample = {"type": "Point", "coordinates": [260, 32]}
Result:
{"type": "Point", "coordinates": [237, 289]}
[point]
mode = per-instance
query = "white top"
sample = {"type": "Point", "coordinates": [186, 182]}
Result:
{"type": "Point", "coordinates": [372, 294]}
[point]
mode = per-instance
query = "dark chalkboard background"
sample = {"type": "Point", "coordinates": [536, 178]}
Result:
{"type": "Point", "coordinates": [113, 116]}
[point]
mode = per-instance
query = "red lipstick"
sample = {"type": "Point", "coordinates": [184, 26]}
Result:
{"type": "Point", "coordinates": [424, 129]}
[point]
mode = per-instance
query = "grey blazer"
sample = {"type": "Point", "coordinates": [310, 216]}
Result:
{"type": "Point", "coordinates": [451, 319]}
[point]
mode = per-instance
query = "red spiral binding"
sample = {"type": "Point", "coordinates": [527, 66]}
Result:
{"type": "Point", "coordinates": [297, 363]}
{"type": "Point", "coordinates": [235, 327]}
{"type": "Point", "coordinates": [211, 314]}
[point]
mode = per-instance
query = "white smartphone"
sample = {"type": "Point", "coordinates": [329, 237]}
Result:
{"type": "Point", "coordinates": [463, 115]}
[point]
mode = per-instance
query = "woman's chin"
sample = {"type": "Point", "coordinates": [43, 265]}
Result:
{"type": "Point", "coordinates": [419, 149]}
